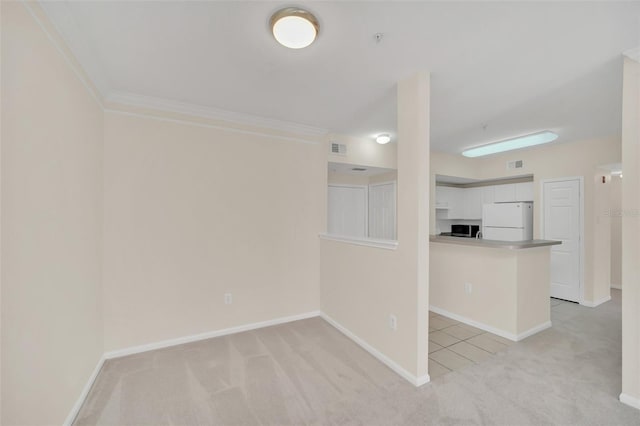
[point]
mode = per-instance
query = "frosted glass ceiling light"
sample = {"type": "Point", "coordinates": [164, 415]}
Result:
{"type": "Point", "coordinates": [383, 139]}
{"type": "Point", "coordinates": [294, 28]}
{"type": "Point", "coordinates": [511, 144]}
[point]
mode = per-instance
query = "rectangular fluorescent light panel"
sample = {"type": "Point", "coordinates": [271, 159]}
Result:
{"type": "Point", "coordinates": [511, 144]}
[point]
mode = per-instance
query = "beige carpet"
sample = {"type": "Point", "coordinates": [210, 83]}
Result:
{"type": "Point", "coordinates": [306, 372]}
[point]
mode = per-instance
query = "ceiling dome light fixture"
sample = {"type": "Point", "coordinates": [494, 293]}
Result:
{"type": "Point", "coordinates": [383, 138]}
{"type": "Point", "coordinates": [294, 28]}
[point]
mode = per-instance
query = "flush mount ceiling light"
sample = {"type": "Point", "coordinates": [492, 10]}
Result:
{"type": "Point", "coordinates": [511, 144]}
{"type": "Point", "coordinates": [294, 28]}
{"type": "Point", "coordinates": [383, 138]}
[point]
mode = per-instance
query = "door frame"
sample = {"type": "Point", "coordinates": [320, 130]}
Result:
{"type": "Point", "coordinates": [580, 180]}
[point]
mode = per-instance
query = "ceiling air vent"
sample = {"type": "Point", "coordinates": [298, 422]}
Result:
{"type": "Point", "coordinates": [518, 164]}
{"type": "Point", "coordinates": [338, 148]}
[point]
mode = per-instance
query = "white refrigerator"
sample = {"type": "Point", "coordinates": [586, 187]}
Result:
{"type": "Point", "coordinates": [507, 221]}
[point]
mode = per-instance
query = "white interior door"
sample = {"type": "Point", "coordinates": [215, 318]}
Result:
{"type": "Point", "coordinates": [382, 211]}
{"type": "Point", "coordinates": [561, 222]}
{"type": "Point", "coordinates": [347, 211]}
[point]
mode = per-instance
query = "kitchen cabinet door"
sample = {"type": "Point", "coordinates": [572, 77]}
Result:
{"type": "Point", "coordinates": [505, 193]}
{"type": "Point", "coordinates": [472, 203]}
{"type": "Point", "coordinates": [524, 191]}
{"type": "Point", "coordinates": [442, 197]}
{"type": "Point", "coordinates": [456, 208]}
{"type": "Point", "coordinates": [450, 199]}
{"type": "Point", "coordinates": [488, 194]}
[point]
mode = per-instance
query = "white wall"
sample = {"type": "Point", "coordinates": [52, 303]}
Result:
{"type": "Point", "coordinates": [631, 234]}
{"type": "Point", "coordinates": [362, 286]}
{"type": "Point", "coordinates": [52, 134]}
{"type": "Point", "coordinates": [194, 211]}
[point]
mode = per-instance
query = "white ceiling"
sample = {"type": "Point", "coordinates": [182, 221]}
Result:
{"type": "Point", "coordinates": [513, 67]}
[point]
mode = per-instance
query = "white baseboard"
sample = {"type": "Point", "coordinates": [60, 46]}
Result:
{"type": "Point", "coordinates": [616, 286]}
{"type": "Point", "coordinates": [596, 303]}
{"type": "Point", "coordinates": [416, 381]}
{"type": "Point", "coordinates": [207, 335]}
{"type": "Point", "coordinates": [533, 330]}
{"type": "Point", "coordinates": [630, 401]}
{"type": "Point", "coordinates": [83, 395]}
{"type": "Point", "coordinates": [498, 332]}
{"type": "Point", "coordinates": [411, 378]}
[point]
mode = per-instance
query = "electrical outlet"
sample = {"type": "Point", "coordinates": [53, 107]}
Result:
{"type": "Point", "coordinates": [228, 298]}
{"type": "Point", "coordinates": [468, 288]}
{"type": "Point", "coordinates": [393, 322]}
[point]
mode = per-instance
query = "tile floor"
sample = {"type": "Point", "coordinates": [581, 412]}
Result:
{"type": "Point", "coordinates": [454, 345]}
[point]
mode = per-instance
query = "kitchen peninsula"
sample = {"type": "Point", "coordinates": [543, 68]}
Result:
{"type": "Point", "coordinates": [498, 286]}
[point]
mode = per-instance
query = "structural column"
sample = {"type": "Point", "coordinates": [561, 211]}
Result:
{"type": "Point", "coordinates": [413, 199]}
{"type": "Point", "coordinates": [631, 234]}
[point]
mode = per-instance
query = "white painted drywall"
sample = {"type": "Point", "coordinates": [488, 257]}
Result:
{"type": "Point", "coordinates": [193, 212]}
{"type": "Point", "coordinates": [52, 134]}
{"type": "Point", "coordinates": [631, 234]}
{"type": "Point", "coordinates": [362, 286]}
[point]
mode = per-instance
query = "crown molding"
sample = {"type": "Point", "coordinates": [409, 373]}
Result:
{"type": "Point", "coordinates": [74, 41]}
{"type": "Point", "coordinates": [42, 19]}
{"type": "Point", "coordinates": [633, 53]}
{"type": "Point", "coordinates": [166, 105]}
{"type": "Point", "coordinates": [71, 42]}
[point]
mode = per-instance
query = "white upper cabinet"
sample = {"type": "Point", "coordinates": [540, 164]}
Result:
{"type": "Point", "coordinates": [451, 199]}
{"type": "Point", "coordinates": [466, 203]}
{"type": "Point", "coordinates": [473, 200]}
{"type": "Point", "coordinates": [524, 191]}
{"type": "Point", "coordinates": [505, 193]}
{"type": "Point", "coordinates": [488, 194]}
{"type": "Point", "coordinates": [442, 199]}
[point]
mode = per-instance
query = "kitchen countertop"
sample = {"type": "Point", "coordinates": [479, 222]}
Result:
{"type": "Point", "coordinates": [509, 245]}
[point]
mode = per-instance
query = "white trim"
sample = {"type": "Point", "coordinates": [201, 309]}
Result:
{"type": "Point", "coordinates": [580, 179]}
{"type": "Point", "coordinates": [616, 286]}
{"type": "Point", "coordinates": [416, 381]}
{"type": "Point", "coordinates": [211, 113]}
{"type": "Point", "coordinates": [62, 49]}
{"type": "Point", "coordinates": [498, 332]}
{"type": "Point", "coordinates": [596, 303]}
{"type": "Point", "coordinates": [630, 401]}
{"type": "Point", "coordinates": [366, 242]}
{"type": "Point", "coordinates": [83, 395]}
{"type": "Point", "coordinates": [99, 87]}
{"type": "Point", "coordinates": [207, 335]}
{"type": "Point", "coordinates": [211, 126]}
{"type": "Point", "coordinates": [533, 330]}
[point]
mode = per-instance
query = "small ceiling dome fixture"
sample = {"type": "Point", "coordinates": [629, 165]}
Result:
{"type": "Point", "coordinates": [383, 138]}
{"type": "Point", "coordinates": [294, 28]}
